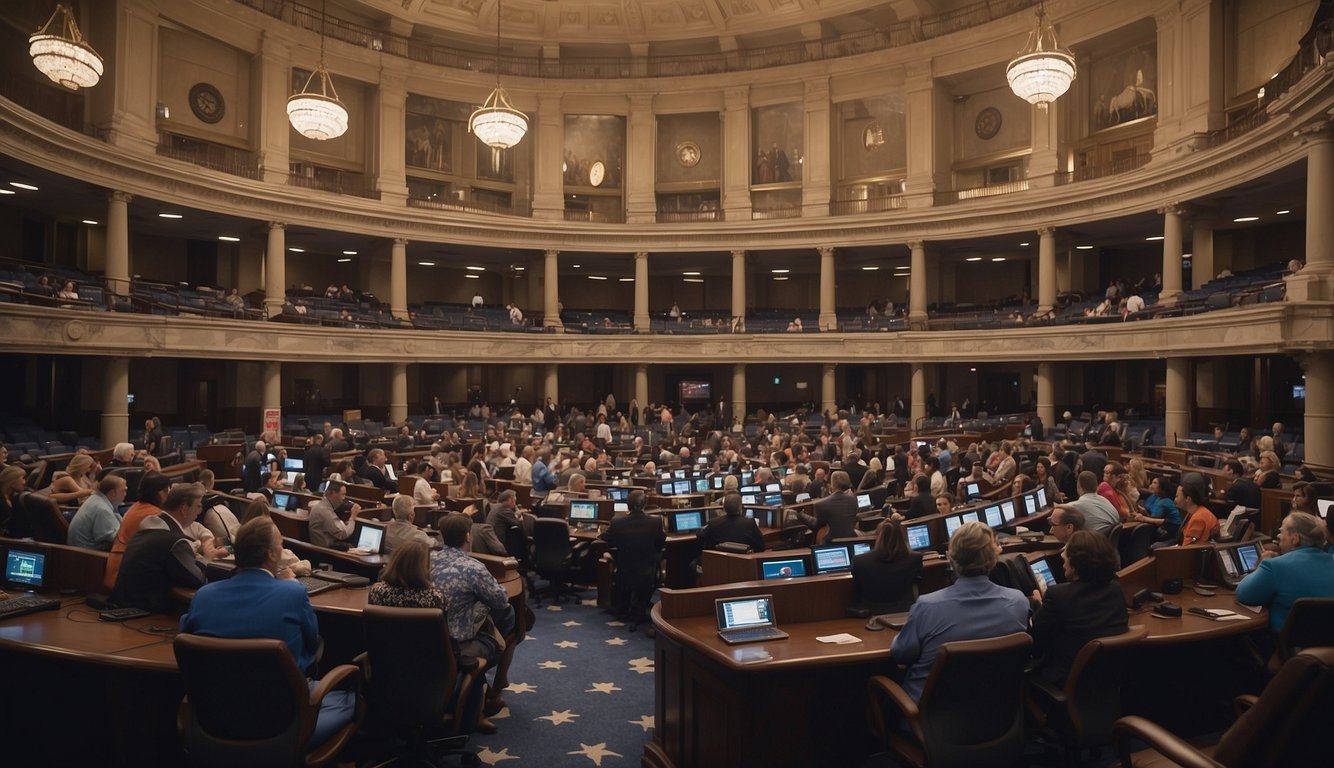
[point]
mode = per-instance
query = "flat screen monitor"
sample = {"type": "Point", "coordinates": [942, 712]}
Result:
{"type": "Point", "coordinates": [693, 389]}
{"type": "Point", "coordinates": [718, 481]}
{"type": "Point", "coordinates": [831, 558]}
{"type": "Point", "coordinates": [583, 511]}
{"type": "Point", "coordinates": [702, 460]}
{"type": "Point", "coordinates": [773, 487]}
{"type": "Point", "coordinates": [665, 488]}
{"type": "Point", "coordinates": [919, 536]}
{"type": "Point", "coordinates": [971, 491]}
{"type": "Point", "coordinates": [25, 570]}
{"type": "Point", "coordinates": [1031, 503]}
{"type": "Point", "coordinates": [750, 499]}
{"type": "Point", "coordinates": [803, 496]}
{"type": "Point", "coordinates": [681, 487]}
{"type": "Point", "coordinates": [971, 517]}
{"type": "Point", "coordinates": [370, 538]}
{"type": "Point", "coordinates": [289, 478]}
{"type": "Point", "coordinates": [773, 500]}
{"type": "Point", "coordinates": [701, 484]}
{"type": "Point", "coordinates": [685, 521]}
{"type": "Point", "coordinates": [952, 524]}
{"type": "Point", "coordinates": [678, 474]}
{"type": "Point", "coordinates": [616, 493]}
{"type": "Point", "coordinates": [1042, 498]}
{"type": "Point", "coordinates": [1235, 561]}
{"type": "Point", "coordinates": [993, 514]}
{"type": "Point", "coordinates": [1323, 506]}
{"type": "Point", "coordinates": [748, 488]}
{"type": "Point", "coordinates": [1042, 572]}
{"type": "Point", "coordinates": [282, 500]}
{"type": "Point", "coordinates": [1008, 510]}
{"type": "Point", "coordinates": [294, 465]}
{"type": "Point", "coordinates": [863, 501]}
{"type": "Point", "coordinates": [619, 507]}
{"type": "Point", "coordinates": [747, 476]}
{"type": "Point", "coordinates": [783, 569]}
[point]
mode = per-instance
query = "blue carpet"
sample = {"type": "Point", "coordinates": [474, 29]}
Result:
{"type": "Point", "coordinates": [581, 693]}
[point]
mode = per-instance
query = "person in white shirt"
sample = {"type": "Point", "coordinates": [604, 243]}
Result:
{"type": "Point", "coordinates": [523, 467]}
{"type": "Point", "coordinates": [603, 433]}
{"type": "Point", "coordinates": [476, 300]}
{"type": "Point", "coordinates": [516, 316]}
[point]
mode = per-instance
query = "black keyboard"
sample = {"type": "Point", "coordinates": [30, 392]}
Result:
{"type": "Point", "coordinates": [25, 604]}
{"type": "Point", "coordinates": [315, 586]}
{"type": "Point", "coordinates": [735, 636]}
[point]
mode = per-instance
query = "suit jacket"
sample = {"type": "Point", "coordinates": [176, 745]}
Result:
{"type": "Point", "coordinates": [838, 511]}
{"type": "Point", "coordinates": [159, 557]}
{"type": "Point", "coordinates": [885, 587]}
{"type": "Point", "coordinates": [378, 479]}
{"type": "Point", "coordinates": [921, 505]}
{"type": "Point", "coordinates": [503, 519]}
{"type": "Point", "coordinates": [252, 603]}
{"type": "Point", "coordinates": [1072, 614]}
{"type": "Point", "coordinates": [316, 462]}
{"type": "Point", "coordinates": [738, 529]}
{"type": "Point", "coordinates": [250, 472]}
{"type": "Point", "coordinates": [1245, 492]}
{"type": "Point", "coordinates": [638, 540]}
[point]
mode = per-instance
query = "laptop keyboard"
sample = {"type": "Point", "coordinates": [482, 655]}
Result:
{"type": "Point", "coordinates": [25, 604]}
{"type": "Point", "coordinates": [315, 586]}
{"type": "Point", "coordinates": [753, 635]}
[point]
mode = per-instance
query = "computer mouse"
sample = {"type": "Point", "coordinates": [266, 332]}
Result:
{"type": "Point", "coordinates": [874, 625]}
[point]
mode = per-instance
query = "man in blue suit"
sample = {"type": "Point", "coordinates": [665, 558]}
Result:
{"type": "Point", "coordinates": [1302, 568]}
{"type": "Point", "coordinates": [260, 601]}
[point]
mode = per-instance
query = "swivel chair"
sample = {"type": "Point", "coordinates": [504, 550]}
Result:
{"type": "Point", "coordinates": [45, 520]}
{"type": "Point", "coordinates": [556, 560]}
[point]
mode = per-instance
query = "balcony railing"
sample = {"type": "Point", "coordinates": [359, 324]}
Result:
{"type": "Point", "coordinates": [677, 217]}
{"type": "Point", "coordinates": [787, 212]}
{"type": "Point", "coordinates": [596, 217]}
{"type": "Point", "coordinates": [452, 204]}
{"type": "Point", "coordinates": [217, 157]}
{"type": "Point", "coordinates": [1113, 168]}
{"type": "Point", "coordinates": [339, 183]}
{"type": "Point", "coordinates": [866, 205]}
{"type": "Point", "coordinates": [989, 190]}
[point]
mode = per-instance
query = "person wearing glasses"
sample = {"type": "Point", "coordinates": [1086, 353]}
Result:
{"type": "Point", "coordinates": [1064, 522]}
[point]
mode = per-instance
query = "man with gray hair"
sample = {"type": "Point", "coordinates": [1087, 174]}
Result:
{"type": "Point", "coordinates": [402, 529]}
{"type": "Point", "coordinates": [1300, 568]}
{"type": "Point", "coordinates": [837, 512]}
{"type": "Point", "coordinates": [161, 554]}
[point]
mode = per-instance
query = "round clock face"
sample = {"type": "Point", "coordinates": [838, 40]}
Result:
{"type": "Point", "coordinates": [597, 173]}
{"type": "Point", "coordinates": [687, 154]}
{"type": "Point", "coordinates": [988, 123]}
{"type": "Point", "coordinates": [206, 103]}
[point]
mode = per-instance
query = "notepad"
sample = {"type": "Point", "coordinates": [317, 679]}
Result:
{"type": "Point", "coordinates": [842, 638]}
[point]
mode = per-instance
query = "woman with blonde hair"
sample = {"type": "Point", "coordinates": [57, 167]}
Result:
{"type": "Point", "coordinates": [12, 521]}
{"type": "Point", "coordinates": [77, 482]}
{"type": "Point", "coordinates": [1267, 475]}
{"type": "Point", "coordinates": [1139, 476]}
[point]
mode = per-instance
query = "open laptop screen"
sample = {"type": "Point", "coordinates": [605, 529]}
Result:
{"type": "Point", "coordinates": [919, 536]}
{"type": "Point", "coordinates": [282, 500]}
{"type": "Point", "coordinates": [294, 465]}
{"type": "Point", "coordinates": [737, 612]}
{"type": "Point", "coordinates": [831, 558]}
{"type": "Point", "coordinates": [25, 569]}
{"type": "Point", "coordinates": [863, 501]}
{"type": "Point", "coordinates": [370, 537]}
{"type": "Point", "coordinates": [618, 494]}
{"type": "Point", "coordinates": [583, 511]}
{"type": "Point", "coordinates": [783, 569]}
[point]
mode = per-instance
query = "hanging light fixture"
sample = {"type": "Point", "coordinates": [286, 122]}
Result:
{"type": "Point", "coordinates": [1043, 70]}
{"type": "Point", "coordinates": [497, 123]}
{"type": "Point", "coordinates": [65, 57]}
{"type": "Point", "coordinates": [316, 113]}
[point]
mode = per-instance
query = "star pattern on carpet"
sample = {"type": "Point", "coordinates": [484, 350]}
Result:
{"type": "Point", "coordinates": [643, 665]}
{"type": "Point", "coordinates": [645, 722]}
{"type": "Point", "coordinates": [602, 688]}
{"type": "Point", "coordinates": [554, 608]}
{"type": "Point", "coordinates": [556, 718]}
{"type": "Point", "coordinates": [502, 714]}
{"type": "Point", "coordinates": [566, 644]}
{"type": "Point", "coordinates": [592, 601]}
{"type": "Point", "coordinates": [551, 665]}
{"type": "Point", "coordinates": [491, 758]}
{"type": "Point", "coordinates": [520, 688]}
{"type": "Point", "coordinates": [571, 624]}
{"type": "Point", "coordinates": [594, 752]}
{"type": "Point", "coordinates": [616, 641]}
{"type": "Point", "coordinates": [615, 623]}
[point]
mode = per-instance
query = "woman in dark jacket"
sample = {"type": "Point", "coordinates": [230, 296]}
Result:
{"type": "Point", "coordinates": [1088, 605]}
{"type": "Point", "coordinates": [884, 580]}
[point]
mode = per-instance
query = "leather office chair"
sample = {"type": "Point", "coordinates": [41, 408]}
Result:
{"type": "Point", "coordinates": [556, 559]}
{"type": "Point", "coordinates": [1081, 714]}
{"type": "Point", "coordinates": [518, 546]}
{"type": "Point", "coordinates": [1134, 546]}
{"type": "Point", "coordinates": [1283, 727]}
{"type": "Point", "coordinates": [1310, 623]}
{"type": "Point", "coordinates": [45, 520]}
{"type": "Point", "coordinates": [415, 686]}
{"type": "Point", "coordinates": [970, 714]}
{"type": "Point", "coordinates": [247, 703]}
{"type": "Point", "coordinates": [37, 478]}
{"type": "Point", "coordinates": [1114, 535]}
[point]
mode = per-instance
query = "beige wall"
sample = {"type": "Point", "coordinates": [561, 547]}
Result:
{"type": "Point", "coordinates": [1265, 32]}
{"type": "Point", "coordinates": [187, 58]}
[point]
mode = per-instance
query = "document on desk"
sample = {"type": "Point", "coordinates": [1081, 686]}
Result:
{"type": "Point", "coordinates": [842, 638]}
{"type": "Point", "coordinates": [1218, 614]}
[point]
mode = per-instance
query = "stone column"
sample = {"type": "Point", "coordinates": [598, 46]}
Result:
{"type": "Point", "coordinates": [739, 392]}
{"type": "Point", "coordinates": [118, 243]}
{"type": "Point", "coordinates": [398, 278]}
{"type": "Point", "coordinates": [275, 269]}
{"type": "Point", "coordinates": [1313, 282]}
{"type": "Point", "coordinates": [828, 312]}
{"type": "Point", "coordinates": [917, 397]}
{"type": "Point", "coordinates": [641, 201]}
{"type": "Point", "coordinates": [642, 322]}
{"type": "Point", "coordinates": [828, 389]}
{"type": "Point", "coordinates": [1201, 251]}
{"type": "Point", "coordinates": [738, 287]}
{"type": "Point", "coordinates": [391, 101]}
{"type": "Point", "coordinates": [1044, 162]}
{"type": "Point", "coordinates": [551, 384]}
{"type": "Point", "coordinates": [1046, 406]}
{"type": "Point", "coordinates": [270, 129]}
{"type": "Point", "coordinates": [814, 158]}
{"type": "Point", "coordinates": [1171, 254]}
{"type": "Point", "coordinates": [124, 104]}
{"type": "Point", "coordinates": [1046, 271]}
{"type": "Point", "coordinates": [398, 392]}
{"type": "Point", "coordinates": [548, 181]}
{"type": "Point", "coordinates": [551, 291]}
{"type": "Point", "coordinates": [917, 287]}
{"type": "Point", "coordinates": [736, 157]}
{"type": "Point", "coordinates": [1319, 421]}
{"type": "Point", "coordinates": [641, 384]}
{"type": "Point", "coordinates": [1177, 412]}
{"type": "Point", "coordinates": [115, 401]}
{"type": "Point", "coordinates": [271, 395]}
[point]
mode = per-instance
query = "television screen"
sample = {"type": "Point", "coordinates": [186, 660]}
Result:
{"type": "Point", "coordinates": [831, 558]}
{"type": "Point", "coordinates": [919, 536]}
{"type": "Point", "coordinates": [782, 569]}
{"type": "Point", "coordinates": [583, 511]}
{"type": "Point", "coordinates": [693, 390]}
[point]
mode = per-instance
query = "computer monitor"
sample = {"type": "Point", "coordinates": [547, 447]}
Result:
{"type": "Point", "coordinates": [289, 478]}
{"type": "Point", "coordinates": [952, 524]}
{"type": "Point", "coordinates": [616, 493]}
{"type": "Point", "coordinates": [282, 500]}
{"type": "Point", "coordinates": [685, 521]}
{"type": "Point", "coordinates": [919, 536]}
{"type": "Point", "coordinates": [1031, 503]}
{"type": "Point", "coordinates": [294, 465]}
{"type": "Point", "coordinates": [750, 499]}
{"type": "Point", "coordinates": [993, 514]}
{"type": "Point", "coordinates": [773, 500]}
{"type": "Point", "coordinates": [971, 491]}
{"type": "Point", "coordinates": [681, 487]}
{"type": "Point", "coordinates": [665, 488]}
{"type": "Point", "coordinates": [1235, 561]}
{"type": "Point", "coordinates": [971, 517]}
{"type": "Point", "coordinates": [370, 538]}
{"type": "Point", "coordinates": [773, 487]}
{"type": "Point", "coordinates": [831, 558]}
{"type": "Point", "coordinates": [620, 507]}
{"type": "Point", "coordinates": [1042, 572]}
{"type": "Point", "coordinates": [701, 484]}
{"type": "Point", "coordinates": [1008, 510]}
{"type": "Point", "coordinates": [746, 476]}
{"type": "Point", "coordinates": [783, 569]}
{"type": "Point", "coordinates": [1323, 507]}
{"type": "Point", "coordinates": [860, 548]}
{"type": "Point", "coordinates": [702, 460]}
{"type": "Point", "coordinates": [717, 482]}
{"type": "Point", "coordinates": [25, 570]}
{"type": "Point", "coordinates": [583, 511]}
{"type": "Point", "coordinates": [803, 496]}
{"type": "Point", "coordinates": [747, 488]}
{"type": "Point", "coordinates": [679, 474]}
{"type": "Point", "coordinates": [1041, 496]}
{"type": "Point", "coordinates": [863, 502]}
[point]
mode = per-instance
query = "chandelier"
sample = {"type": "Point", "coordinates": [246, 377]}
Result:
{"type": "Point", "coordinates": [1043, 70]}
{"type": "Point", "coordinates": [497, 123]}
{"type": "Point", "coordinates": [316, 112]}
{"type": "Point", "coordinates": [65, 57]}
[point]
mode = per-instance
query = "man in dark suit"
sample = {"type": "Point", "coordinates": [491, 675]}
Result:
{"type": "Point", "coordinates": [732, 526]}
{"type": "Point", "coordinates": [1243, 491]}
{"type": "Point", "coordinates": [504, 517]}
{"type": "Point", "coordinates": [637, 540]}
{"type": "Point", "coordinates": [316, 462]}
{"type": "Point", "coordinates": [376, 474]}
{"type": "Point", "coordinates": [921, 504]}
{"type": "Point", "coordinates": [160, 555]}
{"type": "Point", "coordinates": [855, 467]}
{"type": "Point", "coordinates": [253, 467]}
{"type": "Point", "coordinates": [1089, 604]}
{"type": "Point", "coordinates": [838, 510]}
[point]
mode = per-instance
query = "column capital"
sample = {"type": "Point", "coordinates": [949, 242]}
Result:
{"type": "Point", "coordinates": [641, 255]}
{"type": "Point", "coordinates": [739, 254]}
{"type": "Point", "coordinates": [738, 97]}
{"type": "Point", "coordinates": [275, 225]}
{"type": "Point", "coordinates": [116, 196]}
{"type": "Point", "coordinates": [403, 241]}
{"type": "Point", "coordinates": [1047, 231]}
{"type": "Point", "coordinates": [826, 251]}
{"type": "Point", "coordinates": [1174, 209]}
{"type": "Point", "coordinates": [916, 245]}
{"type": "Point", "coordinates": [551, 253]}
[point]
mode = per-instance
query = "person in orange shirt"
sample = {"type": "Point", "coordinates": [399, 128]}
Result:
{"type": "Point", "coordinates": [153, 489]}
{"type": "Point", "coordinates": [1201, 523]}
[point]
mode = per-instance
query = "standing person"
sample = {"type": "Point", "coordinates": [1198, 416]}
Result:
{"type": "Point", "coordinates": [1088, 605]}
{"type": "Point", "coordinates": [638, 541]}
{"type": "Point", "coordinates": [315, 462]}
{"type": "Point", "coordinates": [884, 579]}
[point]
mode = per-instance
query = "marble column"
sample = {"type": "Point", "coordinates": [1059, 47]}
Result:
{"type": "Point", "coordinates": [1177, 412]}
{"type": "Point", "coordinates": [551, 384]}
{"type": "Point", "coordinates": [739, 392]}
{"type": "Point", "coordinates": [738, 288]}
{"type": "Point", "coordinates": [1313, 282]}
{"type": "Point", "coordinates": [1201, 251]}
{"type": "Point", "coordinates": [398, 392]}
{"type": "Point", "coordinates": [641, 384]}
{"type": "Point", "coordinates": [1046, 270]}
{"type": "Point", "coordinates": [642, 321]}
{"type": "Point", "coordinates": [917, 397]}
{"type": "Point", "coordinates": [551, 290]}
{"type": "Point", "coordinates": [1171, 254]}
{"type": "Point", "coordinates": [828, 312]}
{"type": "Point", "coordinates": [917, 287]}
{"type": "Point", "coordinates": [271, 395]}
{"type": "Point", "coordinates": [275, 269]}
{"type": "Point", "coordinates": [1319, 420]}
{"type": "Point", "coordinates": [118, 244]}
{"type": "Point", "coordinates": [736, 165]}
{"type": "Point", "coordinates": [115, 386]}
{"type": "Point", "coordinates": [1046, 405]}
{"type": "Point", "coordinates": [398, 279]}
{"type": "Point", "coordinates": [828, 389]}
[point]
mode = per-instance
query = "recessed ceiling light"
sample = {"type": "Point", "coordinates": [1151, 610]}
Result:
{"type": "Point", "coordinates": [1282, 213]}
{"type": "Point", "coordinates": [90, 222]}
{"type": "Point", "coordinates": [1083, 247]}
{"type": "Point", "coordinates": [229, 239]}
{"type": "Point", "coordinates": [1153, 238]}
{"type": "Point", "coordinates": [780, 271]}
{"type": "Point", "coordinates": [597, 277]}
{"type": "Point", "coordinates": [7, 192]}
{"type": "Point", "coordinates": [903, 266]}
{"type": "Point", "coordinates": [343, 261]}
{"type": "Point", "coordinates": [870, 268]}
{"type": "Point", "coordinates": [574, 266]}
{"type": "Point", "coordinates": [170, 216]}
{"type": "Point", "coordinates": [21, 185]}
{"type": "Point", "coordinates": [972, 370]}
{"type": "Point", "coordinates": [780, 277]}
{"type": "Point", "coordinates": [625, 279]}
{"type": "Point", "coordinates": [1244, 219]}
{"type": "Point", "coordinates": [426, 263]}
{"type": "Point", "coordinates": [471, 276]}
{"type": "Point", "coordinates": [1023, 245]}
{"type": "Point", "coordinates": [690, 274]}
{"type": "Point", "coordinates": [519, 269]}
{"type": "Point", "coordinates": [998, 258]}
{"type": "Point", "coordinates": [476, 269]}
{"type": "Point", "coordinates": [296, 250]}
{"type": "Point", "coordinates": [973, 258]}
{"type": "Point", "coordinates": [349, 253]}
{"type": "Point", "coordinates": [692, 279]}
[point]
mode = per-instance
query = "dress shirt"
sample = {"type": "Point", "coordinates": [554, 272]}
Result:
{"type": "Point", "coordinates": [470, 593]}
{"type": "Point", "coordinates": [1099, 514]}
{"type": "Point", "coordinates": [95, 524]}
{"type": "Point", "coordinates": [325, 527]}
{"type": "Point", "coordinates": [1280, 581]}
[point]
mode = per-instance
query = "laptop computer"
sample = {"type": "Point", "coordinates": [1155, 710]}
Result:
{"type": "Point", "coordinates": [1236, 561]}
{"type": "Point", "coordinates": [748, 619]}
{"type": "Point", "coordinates": [25, 570]}
{"type": "Point", "coordinates": [370, 538]}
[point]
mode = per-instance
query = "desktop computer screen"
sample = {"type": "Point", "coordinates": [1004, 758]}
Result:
{"type": "Point", "coordinates": [919, 536]}
{"type": "Point", "coordinates": [25, 569]}
{"type": "Point", "coordinates": [684, 522]}
{"type": "Point", "coordinates": [294, 465]}
{"type": "Point", "coordinates": [782, 569]}
{"type": "Point", "coordinates": [994, 518]}
{"type": "Point", "coordinates": [583, 511]}
{"type": "Point", "coordinates": [831, 558]}
{"type": "Point", "coordinates": [1007, 510]}
{"type": "Point", "coordinates": [952, 524]}
{"type": "Point", "coordinates": [863, 501]}
{"type": "Point", "coordinates": [681, 487]}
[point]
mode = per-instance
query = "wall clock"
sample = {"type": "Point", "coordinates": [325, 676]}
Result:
{"type": "Point", "coordinates": [988, 123]}
{"type": "Point", "coordinates": [687, 154]}
{"type": "Point", "coordinates": [596, 174]}
{"type": "Point", "coordinates": [206, 102]}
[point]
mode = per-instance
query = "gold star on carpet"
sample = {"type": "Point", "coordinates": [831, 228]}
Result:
{"type": "Point", "coordinates": [616, 623]}
{"type": "Point", "coordinates": [502, 714]}
{"type": "Point", "coordinates": [571, 624]}
{"type": "Point", "coordinates": [616, 641]}
{"type": "Point", "coordinates": [556, 718]}
{"type": "Point", "coordinates": [594, 752]}
{"type": "Point", "coordinates": [520, 688]}
{"type": "Point", "coordinates": [645, 722]}
{"type": "Point", "coordinates": [592, 601]}
{"type": "Point", "coordinates": [491, 758]}
{"type": "Point", "coordinates": [602, 688]}
{"type": "Point", "coordinates": [554, 608]}
{"type": "Point", "coordinates": [551, 665]}
{"type": "Point", "coordinates": [643, 665]}
{"type": "Point", "coordinates": [566, 644]}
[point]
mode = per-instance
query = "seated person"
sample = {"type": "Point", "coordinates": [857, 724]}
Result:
{"type": "Point", "coordinates": [1161, 510]}
{"type": "Point", "coordinates": [76, 483]}
{"type": "Point", "coordinates": [255, 602]}
{"type": "Point", "coordinates": [326, 523]}
{"type": "Point", "coordinates": [1088, 605]}
{"type": "Point", "coordinates": [401, 529]}
{"type": "Point", "coordinates": [1300, 568]}
{"type": "Point", "coordinates": [637, 540]}
{"type": "Point", "coordinates": [837, 512]}
{"type": "Point", "coordinates": [507, 520]}
{"type": "Point", "coordinates": [1201, 523]}
{"type": "Point", "coordinates": [1243, 491]}
{"type": "Point", "coordinates": [922, 503]}
{"type": "Point", "coordinates": [972, 608]}
{"type": "Point", "coordinates": [884, 580]}
{"type": "Point", "coordinates": [287, 560]}
{"type": "Point", "coordinates": [96, 523]}
{"type": "Point", "coordinates": [161, 555]}
{"type": "Point", "coordinates": [731, 526]}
